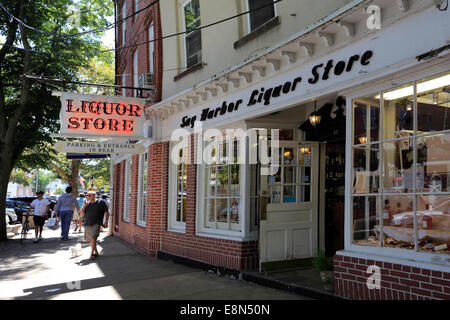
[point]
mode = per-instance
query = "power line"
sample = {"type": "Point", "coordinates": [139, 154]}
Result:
{"type": "Point", "coordinates": [64, 82]}
{"type": "Point", "coordinates": [79, 33]}
{"type": "Point", "coordinates": [156, 39]}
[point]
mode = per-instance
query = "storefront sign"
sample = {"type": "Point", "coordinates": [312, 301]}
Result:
{"type": "Point", "coordinates": [97, 147]}
{"type": "Point", "coordinates": [93, 115]}
{"type": "Point", "coordinates": [321, 71]}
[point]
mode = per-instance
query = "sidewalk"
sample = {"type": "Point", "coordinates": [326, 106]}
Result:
{"type": "Point", "coordinates": [45, 270]}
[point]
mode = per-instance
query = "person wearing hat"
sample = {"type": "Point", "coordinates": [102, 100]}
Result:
{"type": "Point", "coordinates": [41, 207]}
{"type": "Point", "coordinates": [93, 212]}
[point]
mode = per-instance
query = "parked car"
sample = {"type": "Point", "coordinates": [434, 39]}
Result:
{"type": "Point", "coordinates": [12, 217]}
{"type": "Point", "coordinates": [19, 207]}
{"type": "Point", "coordinates": [28, 200]}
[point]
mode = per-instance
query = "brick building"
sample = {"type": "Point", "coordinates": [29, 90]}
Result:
{"type": "Point", "coordinates": [362, 183]}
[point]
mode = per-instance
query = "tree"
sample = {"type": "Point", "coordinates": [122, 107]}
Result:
{"type": "Point", "coordinates": [28, 111]}
{"type": "Point", "coordinates": [99, 169]}
{"type": "Point", "coordinates": [44, 180]}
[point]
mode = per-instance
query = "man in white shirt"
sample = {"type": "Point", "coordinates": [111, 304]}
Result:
{"type": "Point", "coordinates": [41, 207]}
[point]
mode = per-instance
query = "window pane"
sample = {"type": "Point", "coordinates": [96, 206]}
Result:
{"type": "Point", "coordinates": [433, 98]}
{"type": "Point", "coordinates": [398, 112]}
{"type": "Point", "coordinates": [288, 156]}
{"type": "Point", "coordinates": [222, 181]}
{"type": "Point", "coordinates": [222, 210]}
{"type": "Point", "coordinates": [433, 162]}
{"type": "Point", "coordinates": [366, 119]}
{"type": "Point", "coordinates": [364, 220]}
{"type": "Point", "coordinates": [179, 209]}
{"type": "Point", "coordinates": [234, 212]}
{"type": "Point", "coordinates": [275, 194]}
{"type": "Point", "coordinates": [398, 221]}
{"type": "Point", "coordinates": [398, 165]}
{"type": "Point", "coordinates": [304, 193]}
{"type": "Point", "coordinates": [289, 194]}
{"type": "Point", "coordinates": [434, 223]}
{"type": "Point", "coordinates": [365, 167]}
{"type": "Point", "coordinates": [234, 183]}
{"type": "Point", "coordinates": [192, 15]}
{"type": "Point", "coordinates": [210, 207]}
{"type": "Point", "coordinates": [260, 16]}
{"type": "Point", "coordinates": [289, 175]}
{"type": "Point", "coordinates": [305, 174]}
{"type": "Point", "coordinates": [211, 178]}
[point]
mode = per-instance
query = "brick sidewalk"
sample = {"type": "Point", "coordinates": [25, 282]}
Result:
{"type": "Point", "coordinates": [45, 270]}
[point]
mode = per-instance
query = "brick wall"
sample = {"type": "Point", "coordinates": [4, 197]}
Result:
{"type": "Point", "coordinates": [398, 282]}
{"type": "Point", "coordinates": [137, 32]}
{"type": "Point", "coordinates": [154, 236]}
{"type": "Point", "coordinates": [220, 252]}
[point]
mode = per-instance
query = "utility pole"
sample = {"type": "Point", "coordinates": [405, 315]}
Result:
{"type": "Point", "coordinates": [37, 180]}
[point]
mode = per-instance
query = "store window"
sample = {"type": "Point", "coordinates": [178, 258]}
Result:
{"type": "Point", "coordinates": [260, 16]}
{"type": "Point", "coordinates": [127, 195]}
{"type": "Point", "coordinates": [223, 186]}
{"type": "Point", "coordinates": [143, 185]}
{"type": "Point", "coordinates": [401, 167]}
{"type": "Point", "coordinates": [178, 189]}
{"type": "Point", "coordinates": [193, 38]}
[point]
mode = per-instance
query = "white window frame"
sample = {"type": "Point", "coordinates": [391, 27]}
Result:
{"type": "Point", "coordinates": [136, 71]}
{"type": "Point", "coordinates": [124, 22]}
{"type": "Point", "coordinates": [244, 233]}
{"type": "Point", "coordinates": [140, 219]}
{"type": "Point", "coordinates": [174, 225]}
{"type": "Point", "coordinates": [127, 189]}
{"type": "Point", "coordinates": [183, 20]}
{"type": "Point", "coordinates": [151, 48]}
{"type": "Point", "coordinates": [349, 246]}
{"type": "Point", "coordinates": [249, 25]}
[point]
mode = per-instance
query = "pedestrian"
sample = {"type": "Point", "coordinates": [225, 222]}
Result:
{"type": "Point", "coordinates": [104, 198]}
{"type": "Point", "coordinates": [93, 212]}
{"type": "Point", "coordinates": [64, 207]}
{"type": "Point", "coordinates": [41, 207]}
{"type": "Point", "coordinates": [79, 221]}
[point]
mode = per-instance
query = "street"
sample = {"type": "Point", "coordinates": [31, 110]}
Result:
{"type": "Point", "coordinates": [46, 271]}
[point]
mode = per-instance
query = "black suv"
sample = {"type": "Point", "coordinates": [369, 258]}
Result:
{"type": "Point", "coordinates": [20, 207]}
{"type": "Point", "coordinates": [27, 202]}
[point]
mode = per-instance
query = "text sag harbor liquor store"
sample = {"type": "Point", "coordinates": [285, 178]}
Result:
{"type": "Point", "coordinates": [364, 159]}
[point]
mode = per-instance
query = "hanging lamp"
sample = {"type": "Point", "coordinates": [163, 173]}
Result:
{"type": "Point", "coordinates": [314, 117]}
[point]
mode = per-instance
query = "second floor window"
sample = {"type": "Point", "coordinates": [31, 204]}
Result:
{"type": "Point", "coordinates": [136, 72]}
{"type": "Point", "coordinates": [193, 38]}
{"type": "Point", "coordinates": [124, 22]}
{"type": "Point", "coordinates": [151, 47]}
{"type": "Point", "coordinates": [260, 16]}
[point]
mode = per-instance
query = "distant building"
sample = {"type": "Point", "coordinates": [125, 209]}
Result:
{"type": "Point", "coordinates": [18, 190]}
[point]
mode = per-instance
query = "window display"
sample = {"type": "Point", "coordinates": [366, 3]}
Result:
{"type": "Point", "coordinates": [401, 167]}
{"type": "Point", "coordinates": [223, 188]}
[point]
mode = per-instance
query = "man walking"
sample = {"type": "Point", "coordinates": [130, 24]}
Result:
{"type": "Point", "coordinates": [41, 207]}
{"type": "Point", "coordinates": [93, 213]}
{"type": "Point", "coordinates": [64, 207]}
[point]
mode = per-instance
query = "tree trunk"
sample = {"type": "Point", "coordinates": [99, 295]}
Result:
{"type": "Point", "coordinates": [5, 173]}
{"type": "Point", "coordinates": [74, 176]}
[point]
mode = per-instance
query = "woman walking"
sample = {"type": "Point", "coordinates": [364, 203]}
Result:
{"type": "Point", "coordinates": [64, 207]}
{"type": "Point", "coordinates": [77, 219]}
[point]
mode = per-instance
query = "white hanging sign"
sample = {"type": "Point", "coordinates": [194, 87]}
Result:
{"type": "Point", "coordinates": [98, 147]}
